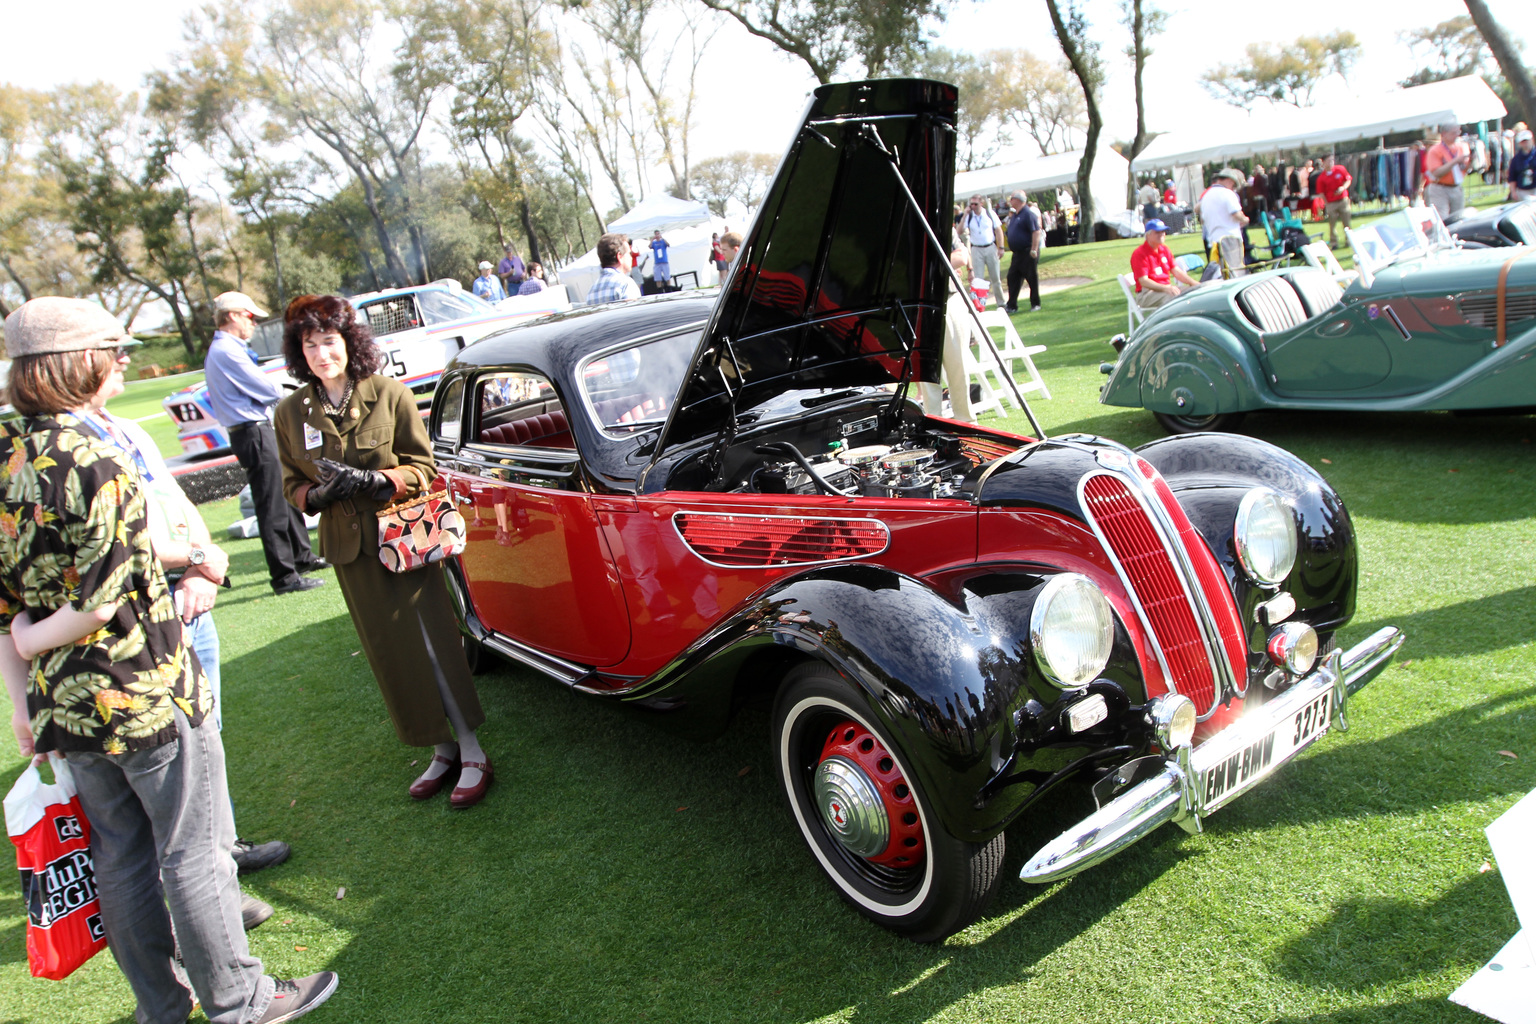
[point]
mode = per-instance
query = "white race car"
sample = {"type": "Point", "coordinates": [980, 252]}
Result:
{"type": "Point", "coordinates": [418, 328]}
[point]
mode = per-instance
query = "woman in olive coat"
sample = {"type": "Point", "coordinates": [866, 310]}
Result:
{"type": "Point", "coordinates": [351, 441]}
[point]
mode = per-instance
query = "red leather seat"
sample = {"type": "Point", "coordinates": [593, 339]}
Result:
{"type": "Point", "coordinates": [546, 430]}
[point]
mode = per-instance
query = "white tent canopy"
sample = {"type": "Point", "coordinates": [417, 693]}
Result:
{"type": "Point", "coordinates": [1042, 172]}
{"type": "Point", "coordinates": [1459, 100]}
{"type": "Point", "coordinates": [660, 213]}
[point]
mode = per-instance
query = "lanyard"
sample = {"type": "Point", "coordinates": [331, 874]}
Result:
{"type": "Point", "coordinates": [112, 434]}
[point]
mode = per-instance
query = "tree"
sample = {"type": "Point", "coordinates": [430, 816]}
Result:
{"type": "Point", "coordinates": [981, 123]}
{"type": "Point", "coordinates": [739, 177]}
{"type": "Point", "coordinates": [1507, 55]}
{"type": "Point", "coordinates": [1451, 49]}
{"type": "Point", "coordinates": [320, 74]}
{"type": "Point", "coordinates": [1041, 97]}
{"type": "Point", "coordinates": [1283, 74]}
{"type": "Point", "coordinates": [832, 35]}
{"type": "Point", "coordinates": [1144, 20]}
{"type": "Point", "coordinates": [130, 215]}
{"type": "Point", "coordinates": [1082, 56]}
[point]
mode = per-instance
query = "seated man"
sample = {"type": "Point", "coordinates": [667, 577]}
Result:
{"type": "Point", "coordinates": [1153, 268]}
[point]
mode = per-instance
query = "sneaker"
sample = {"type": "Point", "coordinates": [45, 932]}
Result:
{"type": "Point", "coordinates": [1034, 309]}
{"type": "Point", "coordinates": [293, 999]}
{"type": "Point", "coordinates": [253, 911]}
{"type": "Point", "coordinates": [251, 856]}
{"type": "Point", "coordinates": [300, 583]}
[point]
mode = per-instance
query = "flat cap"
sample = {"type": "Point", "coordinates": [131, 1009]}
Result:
{"type": "Point", "coordinates": [1236, 175]}
{"type": "Point", "coordinates": [237, 302]}
{"type": "Point", "coordinates": [57, 324]}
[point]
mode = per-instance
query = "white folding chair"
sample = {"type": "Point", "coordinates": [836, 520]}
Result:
{"type": "Point", "coordinates": [1317, 254]}
{"type": "Point", "coordinates": [976, 373]}
{"type": "Point", "coordinates": [1013, 351]}
{"type": "Point", "coordinates": [1134, 314]}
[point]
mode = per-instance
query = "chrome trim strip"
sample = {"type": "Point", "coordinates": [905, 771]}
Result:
{"type": "Point", "coordinates": [886, 530]}
{"type": "Point", "coordinates": [1173, 794]}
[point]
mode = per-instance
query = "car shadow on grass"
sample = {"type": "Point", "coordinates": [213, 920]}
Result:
{"type": "Point", "coordinates": [1478, 625]}
{"type": "Point", "coordinates": [1369, 943]}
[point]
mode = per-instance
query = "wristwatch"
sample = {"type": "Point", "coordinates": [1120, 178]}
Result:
{"type": "Point", "coordinates": [196, 556]}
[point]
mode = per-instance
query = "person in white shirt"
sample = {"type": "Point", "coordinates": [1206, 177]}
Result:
{"type": "Point", "coordinates": [984, 234]}
{"type": "Point", "coordinates": [1222, 214]}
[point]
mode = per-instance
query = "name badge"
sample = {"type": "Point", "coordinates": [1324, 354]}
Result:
{"type": "Point", "coordinates": [312, 438]}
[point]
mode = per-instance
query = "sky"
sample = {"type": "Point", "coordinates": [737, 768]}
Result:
{"type": "Point", "coordinates": [751, 96]}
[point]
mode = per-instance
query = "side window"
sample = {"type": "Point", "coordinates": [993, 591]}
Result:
{"type": "Point", "coordinates": [392, 315]}
{"type": "Point", "coordinates": [450, 412]}
{"type": "Point", "coordinates": [519, 409]}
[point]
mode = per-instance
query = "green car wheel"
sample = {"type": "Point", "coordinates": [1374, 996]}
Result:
{"type": "Point", "coordinates": [1198, 424]}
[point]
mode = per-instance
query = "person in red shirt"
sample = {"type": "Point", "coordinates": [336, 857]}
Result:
{"type": "Point", "coordinates": [1334, 184]}
{"type": "Point", "coordinates": [1170, 197]}
{"type": "Point", "coordinates": [1154, 270]}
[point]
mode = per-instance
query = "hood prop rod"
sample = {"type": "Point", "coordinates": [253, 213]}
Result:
{"type": "Point", "coordinates": [872, 136]}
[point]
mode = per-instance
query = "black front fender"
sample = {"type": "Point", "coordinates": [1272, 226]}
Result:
{"type": "Point", "coordinates": [950, 676]}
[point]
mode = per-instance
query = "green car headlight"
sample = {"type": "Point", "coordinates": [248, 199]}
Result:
{"type": "Point", "coordinates": [1265, 533]}
{"type": "Point", "coordinates": [1073, 629]}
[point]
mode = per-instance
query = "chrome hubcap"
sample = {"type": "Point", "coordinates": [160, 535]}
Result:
{"type": "Point", "coordinates": [851, 806]}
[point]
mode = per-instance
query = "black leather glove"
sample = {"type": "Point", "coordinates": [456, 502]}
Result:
{"type": "Point", "coordinates": [346, 481]}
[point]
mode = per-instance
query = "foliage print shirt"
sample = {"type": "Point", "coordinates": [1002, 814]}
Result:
{"type": "Point", "coordinates": [74, 530]}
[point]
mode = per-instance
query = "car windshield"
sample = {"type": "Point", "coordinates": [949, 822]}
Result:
{"type": "Point", "coordinates": [1415, 231]}
{"type": "Point", "coordinates": [441, 307]}
{"type": "Point", "coordinates": [635, 386]}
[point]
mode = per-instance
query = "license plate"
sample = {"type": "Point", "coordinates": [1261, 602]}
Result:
{"type": "Point", "coordinates": [1248, 765]}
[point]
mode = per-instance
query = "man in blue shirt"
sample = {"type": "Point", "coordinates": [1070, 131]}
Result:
{"type": "Point", "coordinates": [613, 282]}
{"type": "Point", "coordinates": [1522, 168]}
{"type": "Point", "coordinates": [1024, 240]}
{"type": "Point", "coordinates": [488, 285]}
{"type": "Point", "coordinates": [661, 270]}
{"type": "Point", "coordinates": [242, 398]}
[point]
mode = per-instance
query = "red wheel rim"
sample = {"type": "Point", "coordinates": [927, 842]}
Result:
{"type": "Point", "coordinates": [853, 742]}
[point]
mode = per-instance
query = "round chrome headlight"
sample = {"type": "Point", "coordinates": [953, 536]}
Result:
{"type": "Point", "coordinates": [1173, 720]}
{"type": "Point", "coordinates": [1266, 536]}
{"type": "Point", "coordinates": [1293, 647]}
{"type": "Point", "coordinates": [1073, 630]}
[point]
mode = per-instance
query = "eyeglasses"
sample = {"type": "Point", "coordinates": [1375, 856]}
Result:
{"type": "Point", "coordinates": [117, 352]}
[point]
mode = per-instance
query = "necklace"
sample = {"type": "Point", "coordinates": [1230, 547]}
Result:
{"type": "Point", "coordinates": [325, 399]}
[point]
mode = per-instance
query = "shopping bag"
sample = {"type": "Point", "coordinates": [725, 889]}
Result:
{"type": "Point", "coordinates": [53, 850]}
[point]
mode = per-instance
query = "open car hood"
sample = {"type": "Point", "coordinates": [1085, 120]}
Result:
{"type": "Point", "coordinates": [837, 283]}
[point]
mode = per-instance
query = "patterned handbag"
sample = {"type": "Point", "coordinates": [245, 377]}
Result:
{"type": "Point", "coordinates": [420, 531]}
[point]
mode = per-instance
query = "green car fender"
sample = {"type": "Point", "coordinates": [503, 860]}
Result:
{"type": "Point", "coordinates": [1187, 366]}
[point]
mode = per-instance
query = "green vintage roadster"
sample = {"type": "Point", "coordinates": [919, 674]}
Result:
{"type": "Point", "coordinates": [1420, 324]}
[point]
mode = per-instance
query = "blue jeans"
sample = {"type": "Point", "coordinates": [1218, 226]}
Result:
{"type": "Point", "coordinates": [161, 832]}
{"type": "Point", "coordinates": [203, 638]}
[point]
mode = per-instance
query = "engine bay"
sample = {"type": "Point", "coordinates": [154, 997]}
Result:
{"type": "Point", "coordinates": [851, 453]}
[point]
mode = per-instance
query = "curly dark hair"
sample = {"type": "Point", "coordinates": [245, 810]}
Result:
{"type": "Point", "coordinates": [328, 313]}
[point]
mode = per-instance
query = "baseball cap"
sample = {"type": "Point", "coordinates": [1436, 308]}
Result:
{"type": "Point", "coordinates": [485, 264]}
{"type": "Point", "coordinates": [1522, 136]}
{"type": "Point", "coordinates": [1155, 225]}
{"type": "Point", "coordinates": [54, 323]}
{"type": "Point", "coordinates": [237, 302]}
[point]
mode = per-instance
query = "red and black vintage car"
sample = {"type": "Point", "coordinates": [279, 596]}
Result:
{"type": "Point", "coordinates": [687, 503]}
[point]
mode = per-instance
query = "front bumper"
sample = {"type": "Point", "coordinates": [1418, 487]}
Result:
{"type": "Point", "coordinates": [1192, 782]}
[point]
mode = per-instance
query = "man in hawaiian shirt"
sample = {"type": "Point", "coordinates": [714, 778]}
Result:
{"type": "Point", "coordinates": [97, 669]}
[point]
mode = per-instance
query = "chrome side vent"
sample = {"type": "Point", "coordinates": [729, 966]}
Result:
{"type": "Point", "coordinates": [1483, 310]}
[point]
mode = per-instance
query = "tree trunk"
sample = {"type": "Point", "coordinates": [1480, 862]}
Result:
{"type": "Point", "coordinates": [533, 238]}
{"type": "Point", "coordinates": [1087, 75]}
{"type": "Point", "coordinates": [277, 265]}
{"type": "Point", "coordinates": [1139, 57]}
{"type": "Point", "coordinates": [26, 293]}
{"type": "Point", "coordinates": [1508, 57]}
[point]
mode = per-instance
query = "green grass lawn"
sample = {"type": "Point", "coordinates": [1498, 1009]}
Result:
{"type": "Point", "coordinates": [614, 874]}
